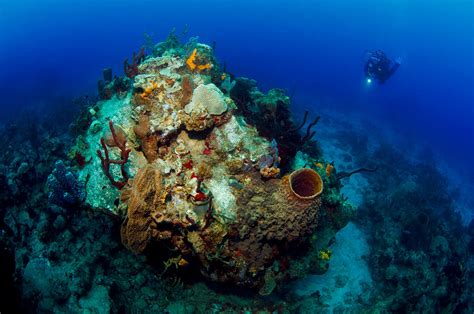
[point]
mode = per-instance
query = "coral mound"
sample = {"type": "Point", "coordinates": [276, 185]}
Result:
{"type": "Point", "coordinates": [207, 191]}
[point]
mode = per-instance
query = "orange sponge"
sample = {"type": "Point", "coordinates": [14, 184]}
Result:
{"type": "Point", "coordinates": [192, 65]}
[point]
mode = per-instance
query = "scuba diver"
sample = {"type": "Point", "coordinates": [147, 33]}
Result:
{"type": "Point", "coordinates": [379, 67]}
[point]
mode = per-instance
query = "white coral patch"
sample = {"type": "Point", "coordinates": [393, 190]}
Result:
{"type": "Point", "coordinates": [233, 132]}
{"type": "Point", "coordinates": [223, 199]}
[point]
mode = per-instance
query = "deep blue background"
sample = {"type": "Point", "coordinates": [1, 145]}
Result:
{"type": "Point", "coordinates": [58, 48]}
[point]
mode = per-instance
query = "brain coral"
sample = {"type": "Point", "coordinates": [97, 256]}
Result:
{"type": "Point", "coordinates": [207, 97]}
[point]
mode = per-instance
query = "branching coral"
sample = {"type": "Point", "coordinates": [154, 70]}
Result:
{"type": "Point", "coordinates": [121, 143]}
{"type": "Point", "coordinates": [131, 69]}
{"type": "Point", "coordinates": [347, 174]}
{"type": "Point", "coordinates": [309, 133]}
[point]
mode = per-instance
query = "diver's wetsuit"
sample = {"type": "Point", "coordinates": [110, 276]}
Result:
{"type": "Point", "coordinates": [379, 67]}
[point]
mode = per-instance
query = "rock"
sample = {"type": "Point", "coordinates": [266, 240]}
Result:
{"type": "Point", "coordinates": [148, 292]}
{"type": "Point", "coordinates": [25, 219]}
{"type": "Point", "coordinates": [269, 284]}
{"type": "Point", "coordinates": [59, 222]}
{"type": "Point", "coordinates": [140, 280]}
{"type": "Point", "coordinates": [41, 278]}
{"type": "Point", "coordinates": [179, 308]}
{"type": "Point", "coordinates": [341, 281]}
{"type": "Point", "coordinates": [24, 167]}
{"type": "Point", "coordinates": [96, 301]}
{"type": "Point", "coordinates": [95, 127]}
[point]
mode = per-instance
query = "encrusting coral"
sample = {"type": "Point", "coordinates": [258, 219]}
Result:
{"type": "Point", "coordinates": [210, 191]}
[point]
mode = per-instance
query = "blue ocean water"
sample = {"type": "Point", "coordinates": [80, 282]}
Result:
{"type": "Point", "coordinates": [313, 49]}
{"type": "Point", "coordinates": [52, 51]}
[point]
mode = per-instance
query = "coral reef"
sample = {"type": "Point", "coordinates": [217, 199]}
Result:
{"type": "Point", "coordinates": [270, 114]}
{"type": "Point", "coordinates": [61, 257]}
{"type": "Point", "coordinates": [419, 250]}
{"type": "Point", "coordinates": [71, 260]}
{"type": "Point", "coordinates": [208, 190]}
{"type": "Point", "coordinates": [176, 210]}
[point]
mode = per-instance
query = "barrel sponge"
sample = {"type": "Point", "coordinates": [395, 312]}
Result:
{"type": "Point", "coordinates": [273, 221]}
{"type": "Point", "coordinates": [142, 197]}
{"type": "Point", "coordinates": [207, 96]}
{"type": "Point", "coordinates": [300, 214]}
{"type": "Point", "coordinates": [305, 183]}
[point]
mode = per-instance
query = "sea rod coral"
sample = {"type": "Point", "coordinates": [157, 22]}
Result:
{"type": "Point", "coordinates": [119, 140]}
